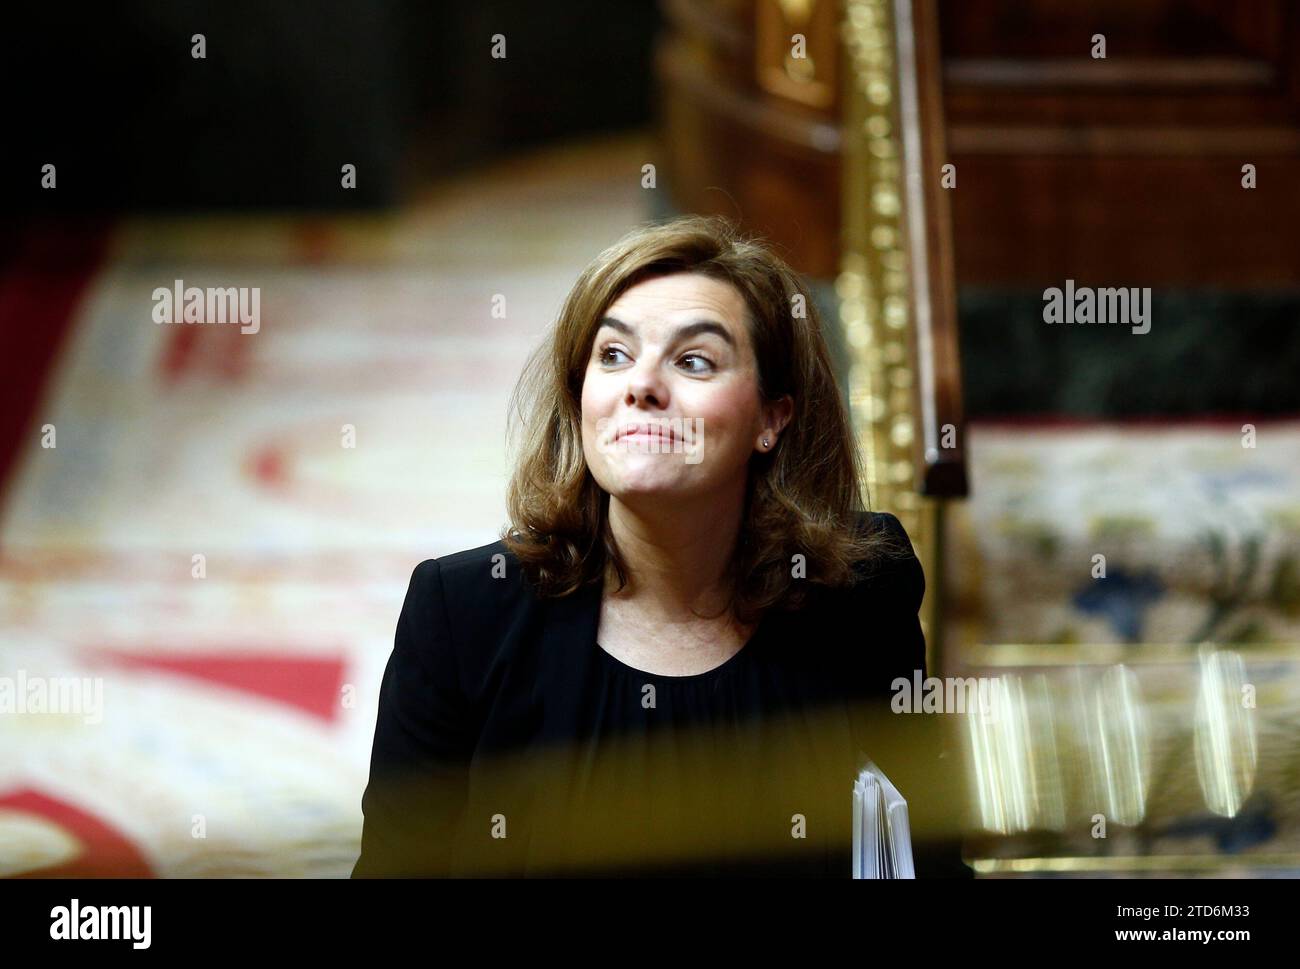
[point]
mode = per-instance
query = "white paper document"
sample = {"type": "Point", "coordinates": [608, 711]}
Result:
{"type": "Point", "coordinates": [882, 841]}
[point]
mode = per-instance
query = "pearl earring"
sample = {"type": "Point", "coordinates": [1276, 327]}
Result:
{"type": "Point", "coordinates": [764, 442]}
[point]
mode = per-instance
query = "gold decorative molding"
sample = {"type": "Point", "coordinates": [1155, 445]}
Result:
{"type": "Point", "coordinates": [873, 284]}
{"type": "Point", "coordinates": [809, 79]}
{"type": "Point", "coordinates": [874, 294]}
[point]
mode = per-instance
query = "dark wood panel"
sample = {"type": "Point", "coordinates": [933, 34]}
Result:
{"type": "Point", "coordinates": [1138, 221]}
{"type": "Point", "coordinates": [1168, 62]}
{"type": "Point", "coordinates": [941, 470]}
{"type": "Point", "coordinates": [1128, 166]}
{"type": "Point", "coordinates": [1036, 29]}
{"type": "Point", "coordinates": [1066, 165]}
{"type": "Point", "coordinates": [732, 152]}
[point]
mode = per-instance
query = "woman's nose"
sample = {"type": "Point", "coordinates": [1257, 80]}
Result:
{"type": "Point", "coordinates": [646, 387]}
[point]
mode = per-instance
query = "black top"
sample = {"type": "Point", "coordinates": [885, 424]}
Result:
{"type": "Point", "coordinates": [508, 742]}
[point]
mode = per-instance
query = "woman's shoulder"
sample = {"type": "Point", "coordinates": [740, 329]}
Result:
{"type": "Point", "coordinates": [473, 583]}
{"type": "Point", "coordinates": [883, 523]}
{"type": "Point", "coordinates": [893, 567]}
{"type": "Point", "coordinates": [874, 623]}
{"type": "Point", "coordinates": [471, 564]}
{"type": "Point", "coordinates": [887, 585]}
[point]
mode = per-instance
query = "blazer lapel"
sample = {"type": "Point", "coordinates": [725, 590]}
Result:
{"type": "Point", "coordinates": [568, 637]}
{"type": "Point", "coordinates": [572, 619]}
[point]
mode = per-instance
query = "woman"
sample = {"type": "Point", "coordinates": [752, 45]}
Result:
{"type": "Point", "coordinates": [661, 666]}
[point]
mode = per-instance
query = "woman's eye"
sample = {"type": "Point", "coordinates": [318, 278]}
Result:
{"type": "Point", "coordinates": [605, 354]}
{"type": "Point", "coordinates": [704, 361]}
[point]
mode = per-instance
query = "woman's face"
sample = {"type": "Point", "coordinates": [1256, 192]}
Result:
{"type": "Point", "coordinates": [670, 401]}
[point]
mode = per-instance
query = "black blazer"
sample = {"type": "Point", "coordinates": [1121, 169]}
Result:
{"type": "Point", "coordinates": [470, 619]}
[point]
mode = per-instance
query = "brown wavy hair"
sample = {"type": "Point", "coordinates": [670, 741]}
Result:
{"type": "Point", "coordinates": [804, 496]}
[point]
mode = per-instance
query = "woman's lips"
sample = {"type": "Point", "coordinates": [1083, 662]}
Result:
{"type": "Point", "coordinates": [648, 436]}
{"type": "Point", "coordinates": [668, 436]}
{"type": "Point", "coordinates": [634, 431]}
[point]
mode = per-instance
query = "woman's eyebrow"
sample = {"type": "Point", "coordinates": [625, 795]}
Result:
{"type": "Point", "coordinates": [681, 333]}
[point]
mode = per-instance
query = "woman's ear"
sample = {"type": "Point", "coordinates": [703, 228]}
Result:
{"type": "Point", "coordinates": [776, 415]}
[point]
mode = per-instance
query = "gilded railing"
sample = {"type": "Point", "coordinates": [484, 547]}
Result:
{"type": "Point", "coordinates": [875, 292]}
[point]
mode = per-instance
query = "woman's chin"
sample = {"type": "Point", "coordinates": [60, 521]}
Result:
{"type": "Point", "coordinates": [651, 485]}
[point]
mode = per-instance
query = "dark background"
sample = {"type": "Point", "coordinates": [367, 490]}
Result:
{"type": "Point", "coordinates": [289, 92]}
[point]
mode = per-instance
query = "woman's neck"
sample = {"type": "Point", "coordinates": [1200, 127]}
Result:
{"type": "Point", "coordinates": [677, 556]}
